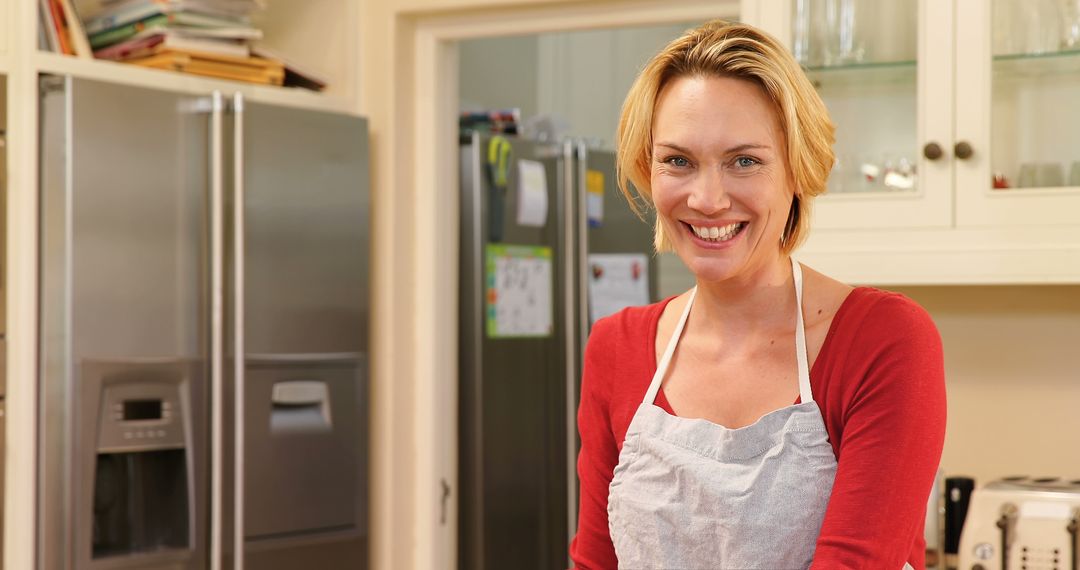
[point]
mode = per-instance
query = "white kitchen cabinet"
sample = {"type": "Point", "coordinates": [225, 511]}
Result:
{"type": "Point", "coordinates": [952, 83]}
{"type": "Point", "coordinates": [1021, 115]}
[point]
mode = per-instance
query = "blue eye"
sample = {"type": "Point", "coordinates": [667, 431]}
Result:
{"type": "Point", "coordinates": [745, 161]}
{"type": "Point", "coordinates": [678, 161]}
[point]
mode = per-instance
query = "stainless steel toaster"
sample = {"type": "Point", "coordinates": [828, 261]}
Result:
{"type": "Point", "coordinates": [1022, 523]}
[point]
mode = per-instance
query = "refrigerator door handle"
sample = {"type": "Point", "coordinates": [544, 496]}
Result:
{"type": "Point", "coordinates": [217, 262]}
{"type": "Point", "coordinates": [239, 354]}
{"type": "Point", "coordinates": [582, 196]}
{"type": "Point", "coordinates": [570, 271]}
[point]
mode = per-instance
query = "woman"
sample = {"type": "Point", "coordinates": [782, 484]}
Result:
{"type": "Point", "coordinates": [771, 417]}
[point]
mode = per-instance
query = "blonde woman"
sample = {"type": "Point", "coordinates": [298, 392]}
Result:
{"type": "Point", "coordinates": [771, 417]}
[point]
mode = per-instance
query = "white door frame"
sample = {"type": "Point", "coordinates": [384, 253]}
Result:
{"type": "Point", "coordinates": [434, 215]}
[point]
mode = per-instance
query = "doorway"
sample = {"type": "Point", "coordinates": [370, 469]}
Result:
{"type": "Point", "coordinates": [440, 44]}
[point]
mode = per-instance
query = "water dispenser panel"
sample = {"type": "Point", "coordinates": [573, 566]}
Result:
{"type": "Point", "coordinates": [139, 417]}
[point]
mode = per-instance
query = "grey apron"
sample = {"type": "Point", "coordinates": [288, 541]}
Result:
{"type": "Point", "coordinates": [691, 494]}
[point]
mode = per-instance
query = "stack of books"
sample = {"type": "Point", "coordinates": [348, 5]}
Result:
{"type": "Point", "coordinates": [203, 37]}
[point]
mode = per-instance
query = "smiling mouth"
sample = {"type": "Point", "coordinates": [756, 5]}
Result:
{"type": "Point", "coordinates": [717, 234]}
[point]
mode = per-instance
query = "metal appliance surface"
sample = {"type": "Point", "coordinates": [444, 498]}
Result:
{"type": "Point", "coordinates": [1022, 523]}
{"type": "Point", "coordinates": [204, 277]}
{"type": "Point", "coordinates": [518, 396]}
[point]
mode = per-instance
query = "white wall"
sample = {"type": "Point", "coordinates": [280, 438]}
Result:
{"type": "Point", "coordinates": [1012, 364]}
{"type": "Point", "coordinates": [498, 73]}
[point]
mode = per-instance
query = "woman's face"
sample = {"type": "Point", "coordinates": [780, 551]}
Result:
{"type": "Point", "coordinates": [720, 180]}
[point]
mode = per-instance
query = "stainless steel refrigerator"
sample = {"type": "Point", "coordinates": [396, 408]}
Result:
{"type": "Point", "coordinates": [544, 231]}
{"type": "Point", "coordinates": [204, 332]}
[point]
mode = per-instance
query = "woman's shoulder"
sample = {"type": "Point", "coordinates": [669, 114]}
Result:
{"type": "Point", "coordinates": [872, 317]}
{"type": "Point", "coordinates": [873, 306]}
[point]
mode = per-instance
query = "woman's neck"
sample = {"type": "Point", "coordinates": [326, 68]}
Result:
{"type": "Point", "coordinates": [761, 299]}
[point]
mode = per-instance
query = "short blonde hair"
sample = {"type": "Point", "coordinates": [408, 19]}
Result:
{"type": "Point", "coordinates": [726, 49]}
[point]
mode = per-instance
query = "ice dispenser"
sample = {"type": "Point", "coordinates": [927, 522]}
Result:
{"type": "Point", "coordinates": [140, 501]}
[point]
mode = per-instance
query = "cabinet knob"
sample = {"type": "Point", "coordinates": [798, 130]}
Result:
{"type": "Point", "coordinates": [932, 151]}
{"type": "Point", "coordinates": [963, 150]}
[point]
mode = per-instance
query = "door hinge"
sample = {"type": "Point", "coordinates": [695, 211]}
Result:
{"type": "Point", "coordinates": [445, 499]}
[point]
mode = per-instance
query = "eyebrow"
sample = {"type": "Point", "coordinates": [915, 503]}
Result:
{"type": "Point", "coordinates": [734, 149]}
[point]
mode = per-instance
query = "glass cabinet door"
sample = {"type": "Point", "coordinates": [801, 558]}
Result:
{"type": "Point", "coordinates": [884, 71]}
{"type": "Point", "coordinates": [1018, 112]}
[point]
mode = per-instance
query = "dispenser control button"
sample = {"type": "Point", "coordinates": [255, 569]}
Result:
{"type": "Point", "coordinates": [127, 435]}
{"type": "Point", "coordinates": [161, 433]}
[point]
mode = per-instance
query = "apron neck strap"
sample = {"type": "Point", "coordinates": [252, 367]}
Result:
{"type": "Point", "coordinates": [661, 367]}
{"type": "Point", "coordinates": [805, 393]}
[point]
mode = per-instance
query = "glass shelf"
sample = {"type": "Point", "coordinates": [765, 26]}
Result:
{"type": "Point", "coordinates": [861, 74]}
{"type": "Point", "coordinates": [1011, 66]}
{"type": "Point", "coordinates": [1037, 65]}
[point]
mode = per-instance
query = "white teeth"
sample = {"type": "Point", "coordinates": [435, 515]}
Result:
{"type": "Point", "coordinates": [718, 233]}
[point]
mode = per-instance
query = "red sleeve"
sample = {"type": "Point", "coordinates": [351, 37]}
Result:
{"type": "Point", "coordinates": [892, 409]}
{"type": "Point", "coordinates": [591, 548]}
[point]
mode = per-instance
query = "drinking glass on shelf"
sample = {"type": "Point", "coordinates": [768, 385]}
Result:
{"type": "Point", "coordinates": [1070, 20]}
{"type": "Point", "coordinates": [807, 32]}
{"type": "Point", "coordinates": [1040, 22]}
{"type": "Point", "coordinates": [1074, 173]}
{"type": "Point", "coordinates": [1004, 27]}
{"type": "Point", "coordinates": [843, 35]}
{"type": "Point", "coordinates": [1028, 177]}
{"type": "Point", "coordinates": [1050, 175]}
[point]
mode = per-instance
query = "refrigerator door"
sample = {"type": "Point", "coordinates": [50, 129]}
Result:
{"type": "Point", "coordinates": [512, 502]}
{"type": "Point", "coordinates": [303, 200]}
{"type": "Point", "coordinates": [123, 328]}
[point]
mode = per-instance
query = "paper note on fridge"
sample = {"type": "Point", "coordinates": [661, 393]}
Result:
{"type": "Point", "coordinates": [594, 197]}
{"type": "Point", "coordinates": [532, 194]}
{"type": "Point", "coordinates": [519, 289]}
{"type": "Point", "coordinates": [617, 281]}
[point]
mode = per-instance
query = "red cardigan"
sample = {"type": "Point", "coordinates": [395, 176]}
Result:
{"type": "Point", "coordinates": [880, 383]}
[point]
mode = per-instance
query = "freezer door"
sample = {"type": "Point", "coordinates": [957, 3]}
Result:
{"type": "Point", "coordinates": [304, 200]}
{"type": "Point", "coordinates": [123, 279]}
{"type": "Point", "coordinates": [512, 504]}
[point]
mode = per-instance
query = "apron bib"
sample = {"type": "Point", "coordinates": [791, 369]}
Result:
{"type": "Point", "coordinates": [691, 494]}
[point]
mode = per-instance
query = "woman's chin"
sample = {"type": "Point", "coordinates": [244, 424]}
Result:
{"type": "Point", "coordinates": [712, 270]}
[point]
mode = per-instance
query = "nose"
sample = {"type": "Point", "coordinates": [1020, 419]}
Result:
{"type": "Point", "coordinates": [708, 194]}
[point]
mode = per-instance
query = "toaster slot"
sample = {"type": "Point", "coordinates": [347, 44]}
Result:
{"type": "Point", "coordinates": [1074, 532]}
{"type": "Point", "coordinates": [1006, 523]}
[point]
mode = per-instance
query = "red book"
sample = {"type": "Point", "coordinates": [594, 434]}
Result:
{"type": "Point", "coordinates": [61, 27]}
